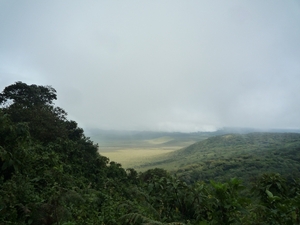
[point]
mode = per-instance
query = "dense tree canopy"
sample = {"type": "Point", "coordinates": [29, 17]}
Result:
{"type": "Point", "coordinates": [28, 95]}
{"type": "Point", "coordinates": [33, 105]}
{"type": "Point", "coordinates": [52, 174]}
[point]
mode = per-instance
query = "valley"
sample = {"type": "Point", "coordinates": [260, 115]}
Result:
{"type": "Point", "coordinates": [133, 148]}
{"type": "Point", "coordinates": [203, 156]}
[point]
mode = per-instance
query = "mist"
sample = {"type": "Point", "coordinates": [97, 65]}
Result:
{"type": "Point", "coordinates": [162, 66]}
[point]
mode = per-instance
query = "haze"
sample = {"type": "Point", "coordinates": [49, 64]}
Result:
{"type": "Point", "coordinates": [159, 65]}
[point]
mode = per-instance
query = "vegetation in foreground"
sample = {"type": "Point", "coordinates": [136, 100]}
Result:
{"type": "Point", "coordinates": [51, 173]}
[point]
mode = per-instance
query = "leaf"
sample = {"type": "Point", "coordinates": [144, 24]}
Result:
{"type": "Point", "coordinates": [269, 193]}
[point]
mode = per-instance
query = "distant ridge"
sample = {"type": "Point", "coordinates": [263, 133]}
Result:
{"type": "Point", "coordinates": [235, 155]}
{"type": "Point", "coordinates": [100, 135]}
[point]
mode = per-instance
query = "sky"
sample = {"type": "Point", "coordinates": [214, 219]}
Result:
{"type": "Point", "coordinates": [195, 65]}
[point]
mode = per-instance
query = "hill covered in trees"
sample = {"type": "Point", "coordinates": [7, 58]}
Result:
{"type": "Point", "coordinates": [52, 174]}
{"type": "Point", "coordinates": [235, 155]}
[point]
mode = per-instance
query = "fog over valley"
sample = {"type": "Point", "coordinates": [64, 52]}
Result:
{"type": "Point", "coordinates": [149, 112]}
{"type": "Point", "coordinates": [183, 66]}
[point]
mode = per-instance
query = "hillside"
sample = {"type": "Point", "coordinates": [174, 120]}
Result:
{"type": "Point", "coordinates": [52, 174]}
{"type": "Point", "coordinates": [132, 148]}
{"type": "Point", "coordinates": [234, 155]}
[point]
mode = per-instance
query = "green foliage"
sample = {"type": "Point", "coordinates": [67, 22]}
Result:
{"type": "Point", "coordinates": [278, 202]}
{"type": "Point", "coordinates": [28, 95]}
{"type": "Point", "coordinates": [60, 178]}
{"type": "Point", "coordinates": [236, 155]}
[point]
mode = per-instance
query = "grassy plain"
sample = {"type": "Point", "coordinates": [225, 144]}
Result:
{"type": "Point", "coordinates": [203, 156]}
{"type": "Point", "coordinates": [132, 149]}
{"type": "Point", "coordinates": [131, 154]}
{"type": "Point", "coordinates": [133, 157]}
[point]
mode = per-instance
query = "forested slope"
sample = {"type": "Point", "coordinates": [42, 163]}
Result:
{"type": "Point", "coordinates": [236, 155]}
{"type": "Point", "coordinates": [52, 174]}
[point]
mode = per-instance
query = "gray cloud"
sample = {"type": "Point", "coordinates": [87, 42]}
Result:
{"type": "Point", "coordinates": [172, 65]}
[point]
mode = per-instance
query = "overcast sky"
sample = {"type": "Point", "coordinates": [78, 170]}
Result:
{"type": "Point", "coordinates": [159, 65]}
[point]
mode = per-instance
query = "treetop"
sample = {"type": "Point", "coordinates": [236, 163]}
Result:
{"type": "Point", "coordinates": [28, 95]}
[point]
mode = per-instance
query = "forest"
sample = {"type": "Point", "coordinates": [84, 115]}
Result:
{"type": "Point", "coordinates": [234, 155]}
{"type": "Point", "coordinates": [52, 174]}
